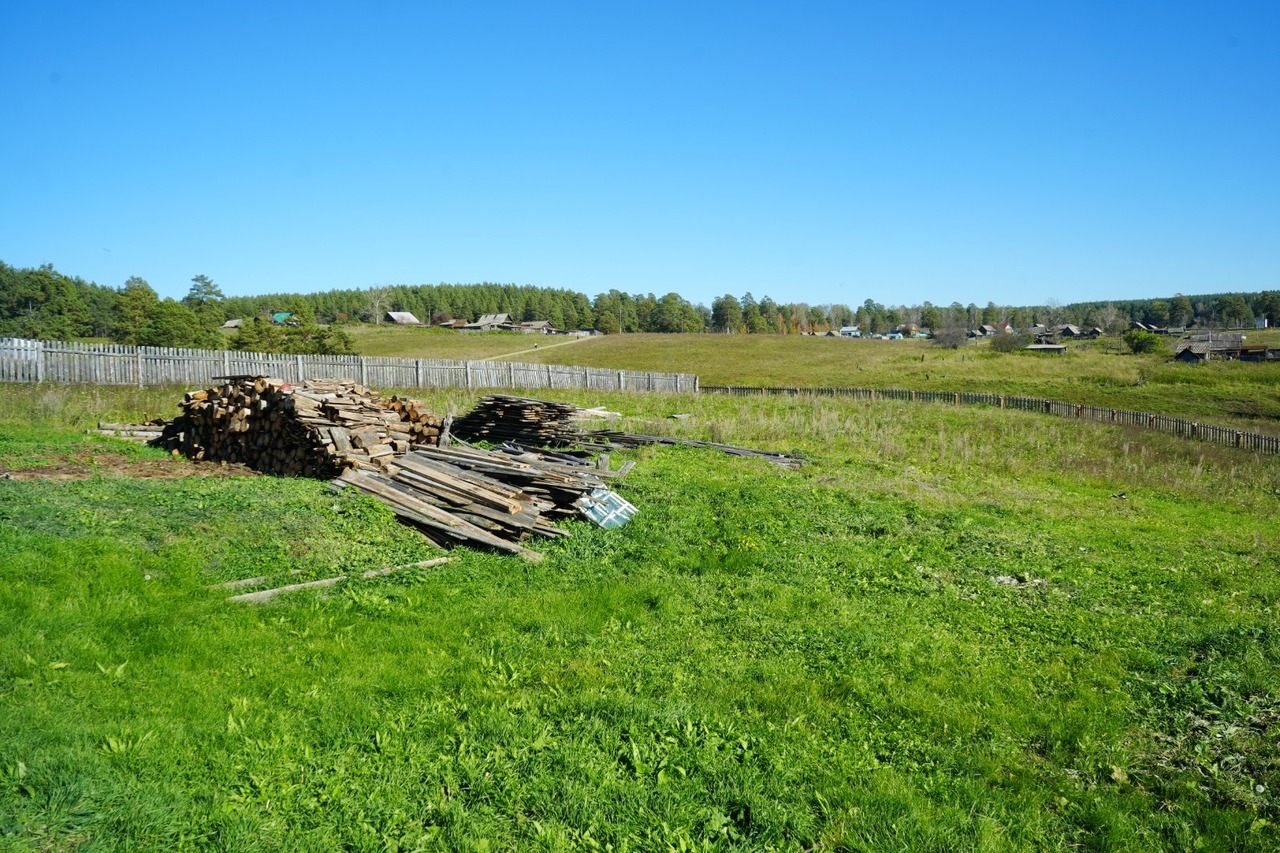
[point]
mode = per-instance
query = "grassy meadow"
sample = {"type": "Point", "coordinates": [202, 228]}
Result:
{"type": "Point", "coordinates": [953, 629]}
{"type": "Point", "coordinates": [1100, 373]}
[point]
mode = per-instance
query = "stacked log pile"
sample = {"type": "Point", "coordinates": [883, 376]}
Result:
{"type": "Point", "coordinates": [318, 429]}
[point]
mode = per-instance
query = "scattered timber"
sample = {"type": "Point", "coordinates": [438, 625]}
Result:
{"type": "Point", "coordinates": [599, 440]}
{"type": "Point", "coordinates": [268, 594]}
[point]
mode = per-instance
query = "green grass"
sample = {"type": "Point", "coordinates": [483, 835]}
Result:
{"type": "Point", "coordinates": [763, 659]}
{"type": "Point", "coordinates": [428, 342]}
{"type": "Point", "coordinates": [1099, 373]}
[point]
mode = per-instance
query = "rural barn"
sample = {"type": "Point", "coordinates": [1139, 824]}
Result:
{"type": "Point", "coordinates": [534, 327]}
{"type": "Point", "coordinates": [488, 322]}
{"type": "Point", "coordinates": [402, 318]}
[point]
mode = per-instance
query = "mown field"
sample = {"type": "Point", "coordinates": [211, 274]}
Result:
{"type": "Point", "coordinates": [1093, 372]}
{"type": "Point", "coordinates": [953, 629]}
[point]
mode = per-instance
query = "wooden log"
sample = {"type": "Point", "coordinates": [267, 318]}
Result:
{"type": "Point", "coordinates": [268, 594]}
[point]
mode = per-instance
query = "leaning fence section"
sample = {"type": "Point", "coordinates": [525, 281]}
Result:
{"type": "Point", "coordinates": [24, 360]}
{"type": "Point", "coordinates": [1160, 423]}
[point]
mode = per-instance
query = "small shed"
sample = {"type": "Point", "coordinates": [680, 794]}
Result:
{"type": "Point", "coordinates": [1055, 349]}
{"type": "Point", "coordinates": [233, 324]}
{"type": "Point", "coordinates": [283, 318]}
{"type": "Point", "coordinates": [402, 318]}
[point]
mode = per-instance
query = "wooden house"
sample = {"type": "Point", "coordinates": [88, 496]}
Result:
{"type": "Point", "coordinates": [488, 322]}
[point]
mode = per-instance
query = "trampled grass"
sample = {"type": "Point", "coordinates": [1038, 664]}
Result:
{"type": "Point", "coordinates": [945, 632]}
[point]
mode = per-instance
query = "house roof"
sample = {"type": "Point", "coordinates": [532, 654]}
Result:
{"type": "Point", "coordinates": [404, 318]}
{"type": "Point", "coordinates": [233, 324]}
{"type": "Point", "coordinates": [489, 320]}
{"type": "Point", "coordinates": [281, 316]}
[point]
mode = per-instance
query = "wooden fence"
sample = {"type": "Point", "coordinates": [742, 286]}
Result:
{"type": "Point", "coordinates": [108, 364]}
{"type": "Point", "coordinates": [1161, 423]}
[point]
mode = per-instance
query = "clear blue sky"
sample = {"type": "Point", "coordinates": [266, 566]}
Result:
{"type": "Point", "coordinates": [1017, 152]}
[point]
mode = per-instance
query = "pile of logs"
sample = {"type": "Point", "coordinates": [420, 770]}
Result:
{"type": "Point", "coordinates": [318, 429]}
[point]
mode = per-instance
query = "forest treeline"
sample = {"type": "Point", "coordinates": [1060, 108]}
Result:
{"type": "Point", "coordinates": [44, 303]}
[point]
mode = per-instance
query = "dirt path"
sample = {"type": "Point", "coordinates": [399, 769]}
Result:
{"type": "Point", "coordinates": [87, 465]}
{"type": "Point", "coordinates": [536, 348]}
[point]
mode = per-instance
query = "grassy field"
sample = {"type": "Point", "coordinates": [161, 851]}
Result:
{"type": "Point", "coordinates": [945, 633]}
{"type": "Point", "coordinates": [1096, 372]}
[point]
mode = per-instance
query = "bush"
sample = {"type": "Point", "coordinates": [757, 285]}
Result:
{"type": "Point", "coordinates": [952, 337]}
{"type": "Point", "coordinates": [1139, 341]}
{"type": "Point", "coordinates": [1009, 343]}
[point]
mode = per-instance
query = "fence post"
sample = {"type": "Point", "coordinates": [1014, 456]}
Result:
{"type": "Point", "coordinates": [299, 363]}
{"type": "Point", "coordinates": [1002, 401]}
{"type": "Point", "coordinates": [622, 380]}
{"type": "Point", "coordinates": [549, 376]}
{"type": "Point", "coordinates": [468, 376]}
{"type": "Point", "coordinates": [363, 370]}
{"type": "Point", "coordinates": [695, 383]}
{"type": "Point", "coordinates": [138, 352]}
{"type": "Point", "coordinates": [417, 366]}
{"type": "Point", "coordinates": [957, 398]}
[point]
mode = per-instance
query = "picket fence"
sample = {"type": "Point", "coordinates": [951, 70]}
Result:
{"type": "Point", "coordinates": [24, 360]}
{"type": "Point", "coordinates": [1269, 444]}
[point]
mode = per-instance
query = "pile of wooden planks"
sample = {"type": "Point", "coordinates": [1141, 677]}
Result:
{"type": "Point", "coordinates": [318, 429]}
{"type": "Point", "coordinates": [503, 417]}
{"type": "Point", "coordinates": [493, 499]}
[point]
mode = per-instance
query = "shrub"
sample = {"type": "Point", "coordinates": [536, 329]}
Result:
{"type": "Point", "coordinates": [952, 337]}
{"type": "Point", "coordinates": [1009, 343]}
{"type": "Point", "coordinates": [1139, 341]}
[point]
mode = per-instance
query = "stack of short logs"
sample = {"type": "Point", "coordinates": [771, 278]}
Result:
{"type": "Point", "coordinates": [317, 429]}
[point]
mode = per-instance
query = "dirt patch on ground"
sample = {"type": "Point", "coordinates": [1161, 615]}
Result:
{"type": "Point", "coordinates": [71, 467]}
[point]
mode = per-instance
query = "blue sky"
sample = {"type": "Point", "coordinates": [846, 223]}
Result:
{"type": "Point", "coordinates": [1017, 152]}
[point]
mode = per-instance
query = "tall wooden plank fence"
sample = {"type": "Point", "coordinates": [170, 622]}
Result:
{"type": "Point", "coordinates": [24, 360]}
{"type": "Point", "coordinates": [1161, 423]}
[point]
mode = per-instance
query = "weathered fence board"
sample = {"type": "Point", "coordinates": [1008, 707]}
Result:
{"type": "Point", "coordinates": [110, 364]}
{"type": "Point", "coordinates": [1160, 423]}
